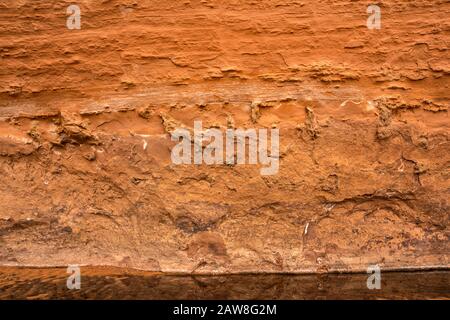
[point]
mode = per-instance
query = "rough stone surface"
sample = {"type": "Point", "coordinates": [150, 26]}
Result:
{"type": "Point", "coordinates": [85, 117]}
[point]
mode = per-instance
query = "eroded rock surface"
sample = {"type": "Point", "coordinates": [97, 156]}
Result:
{"type": "Point", "coordinates": [86, 116]}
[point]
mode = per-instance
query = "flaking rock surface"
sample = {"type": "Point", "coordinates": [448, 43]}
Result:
{"type": "Point", "coordinates": [86, 116]}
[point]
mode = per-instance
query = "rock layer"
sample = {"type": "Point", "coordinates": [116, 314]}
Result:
{"type": "Point", "coordinates": [86, 116]}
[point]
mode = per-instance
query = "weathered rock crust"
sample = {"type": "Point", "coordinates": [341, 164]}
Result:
{"type": "Point", "coordinates": [85, 117]}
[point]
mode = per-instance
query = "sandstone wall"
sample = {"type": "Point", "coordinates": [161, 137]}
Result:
{"type": "Point", "coordinates": [85, 117]}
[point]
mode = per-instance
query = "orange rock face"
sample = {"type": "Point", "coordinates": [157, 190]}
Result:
{"type": "Point", "coordinates": [86, 117]}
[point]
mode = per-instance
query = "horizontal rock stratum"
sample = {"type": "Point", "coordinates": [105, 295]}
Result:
{"type": "Point", "coordinates": [363, 115]}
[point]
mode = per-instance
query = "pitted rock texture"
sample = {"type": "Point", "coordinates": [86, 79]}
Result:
{"type": "Point", "coordinates": [86, 116]}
